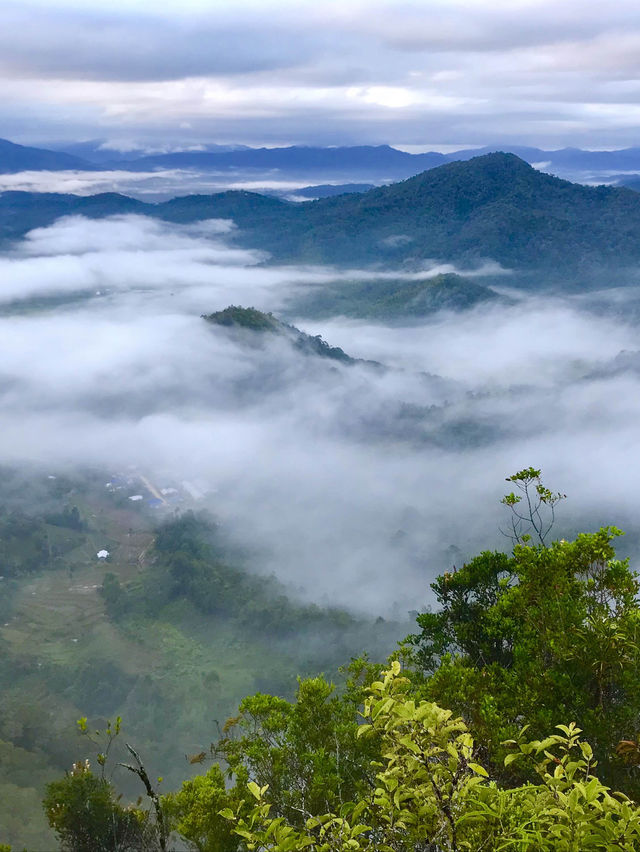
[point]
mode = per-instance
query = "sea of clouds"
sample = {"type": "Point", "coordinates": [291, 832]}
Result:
{"type": "Point", "coordinates": [354, 484]}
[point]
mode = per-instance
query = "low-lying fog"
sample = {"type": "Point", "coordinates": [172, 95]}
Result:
{"type": "Point", "coordinates": [355, 484]}
{"type": "Point", "coordinates": [163, 184]}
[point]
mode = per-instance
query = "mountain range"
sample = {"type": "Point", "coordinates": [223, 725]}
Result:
{"type": "Point", "coordinates": [18, 158]}
{"type": "Point", "coordinates": [490, 208]}
{"type": "Point", "coordinates": [380, 161]}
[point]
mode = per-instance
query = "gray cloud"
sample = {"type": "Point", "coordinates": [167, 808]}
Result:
{"type": "Point", "coordinates": [278, 73]}
{"type": "Point", "coordinates": [100, 44]}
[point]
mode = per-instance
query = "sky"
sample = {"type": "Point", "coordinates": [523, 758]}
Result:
{"type": "Point", "coordinates": [430, 74]}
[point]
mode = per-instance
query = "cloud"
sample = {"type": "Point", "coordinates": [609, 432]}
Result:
{"type": "Point", "coordinates": [350, 483]}
{"type": "Point", "coordinates": [90, 183]}
{"type": "Point", "coordinates": [278, 72]}
{"type": "Point", "coordinates": [158, 185]}
{"type": "Point", "coordinates": [100, 43]}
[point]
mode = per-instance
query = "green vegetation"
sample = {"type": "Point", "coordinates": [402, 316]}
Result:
{"type": "Point", "coordinates": [192, 565]}
{"type": "Point", "coordinates": [105, 824]}
{"type": "Point", "coordinates": [430, 792]}
{"type": "Point", "coordinates": [533, 654]}
{"type": "Point", "coordinates": [145, 636]}
{"type": "Point", "coordinates": [494, 207]}
{"type": "Point", "coordinates": [382, 299]}
{"type": "Point", "coordinates": [252, 320]}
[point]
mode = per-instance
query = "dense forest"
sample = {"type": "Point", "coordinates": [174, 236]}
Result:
{"type": "Point", "coordinates": [507, 718]}
{"type": "Point", "coordinates": [493, 207]}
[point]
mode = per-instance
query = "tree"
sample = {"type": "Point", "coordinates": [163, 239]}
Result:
{"type": "Point", "coordinates": [533, 510]}
{"type": "Point", "coordinates": [194, 812]}
{"type": "Point", "coordinates": [116, 601]}
{"type": "Point", "coordinates": [306, 751]}
{"type": "Point", "coordinates": [546, 634]}
{"type": "Point", "coordinates": [432, 794]}
{"type": "Point", "coordinates": [83, 810]}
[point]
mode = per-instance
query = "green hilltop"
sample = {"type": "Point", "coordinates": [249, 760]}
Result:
{"type": "Point", "coordinates": [396, 299]}
{"type": "Point", "coordinates": [495, 206]}
{"type": "Point", "coordinates": [252, 321]}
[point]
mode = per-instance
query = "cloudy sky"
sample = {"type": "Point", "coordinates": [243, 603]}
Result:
{"type": "Point", "coordinates": [434, 73]}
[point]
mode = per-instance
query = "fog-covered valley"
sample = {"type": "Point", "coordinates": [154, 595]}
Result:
{"type": "Point", "coordinates": [353, 481]}
{"type": "Point", "coordinates": [343, 473]}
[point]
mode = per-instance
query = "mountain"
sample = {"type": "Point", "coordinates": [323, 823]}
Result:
{"type": "Point", "coordinates": [493, 207]}
{"type": "Point", "coordinates": [490, 207]}
{"type": "Point", "coordinates": [327, 190]}
{"type": "Point", "coordinates": [630, 181]}
{"type": "Point", "coordinates": [22, 211]}
{"type": "Point", "coordinates": [249, 321]}
{"type": "Point", "coordinates": [575, 159]}
{"type": "Point", "coordinates": [375, 160]}
{"type": "Point", "coordinates": [19, 158]}
{"type": "Point", "coordinates": [367, 159]}
{"type": "Point", "coordinates": [384, 299]}
{"type": "Point", "coordinates": [562, 161]}
{"type": "Point", "coordinates": [98, 152]}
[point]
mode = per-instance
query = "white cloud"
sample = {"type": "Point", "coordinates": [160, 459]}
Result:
{"type": "Point", "coordinates": [319, 464]}
{"type": "Point", "coordinates": [87, 183]}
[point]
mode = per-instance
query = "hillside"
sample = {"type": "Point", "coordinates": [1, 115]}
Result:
{"type": "Point", "coordinates": [490, 207]}
{"type": "Point", "coordinates": [495, 206]}
{"type": "Point", "coordinates": [254, 322]}
{"type": "Point", "coordinates": [19, 158]}
{"type": "Point", "coordinates": [22, 211]}
{"type": "Point", "coordinates": [172, 650]}
{"type": "Point", "coordinates": [382, 299]}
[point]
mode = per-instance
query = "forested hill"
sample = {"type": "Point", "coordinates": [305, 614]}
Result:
{"type": "Point", "coordinates": [257, 323]}
{"type": "Point", "coordinates": [495, 206]}
{"type": "Point", "coordinates": [491, 207]}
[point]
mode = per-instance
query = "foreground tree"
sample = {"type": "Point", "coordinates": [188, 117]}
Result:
{"type": "Point", "coordinates": [545, 637]}
{"type": "Point", "coordinates": [306, 751]}
{"type": "Point", "coordinates": [546, 634]}
{"type": "Point", "coordinates": [194, 812]}
{"type": "Point", "coordinates": [84, 811]}
{"type": "Point", "coordinates": [432, 795]}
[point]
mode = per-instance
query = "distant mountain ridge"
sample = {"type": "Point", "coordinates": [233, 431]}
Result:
{"type": "Point", "coordinates": [367, 159]}
{"type": "Point", "coordinates": [360, 160]}
{"type": "Point", "coordinates": [494, 207]}
{"type": "Point", "coordinates": [19, 158]}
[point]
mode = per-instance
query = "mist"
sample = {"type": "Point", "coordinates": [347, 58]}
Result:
{"type": "Point", "coordinates": [354, 484]}
{"type": "Point", "coordinates": [164, 184]}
